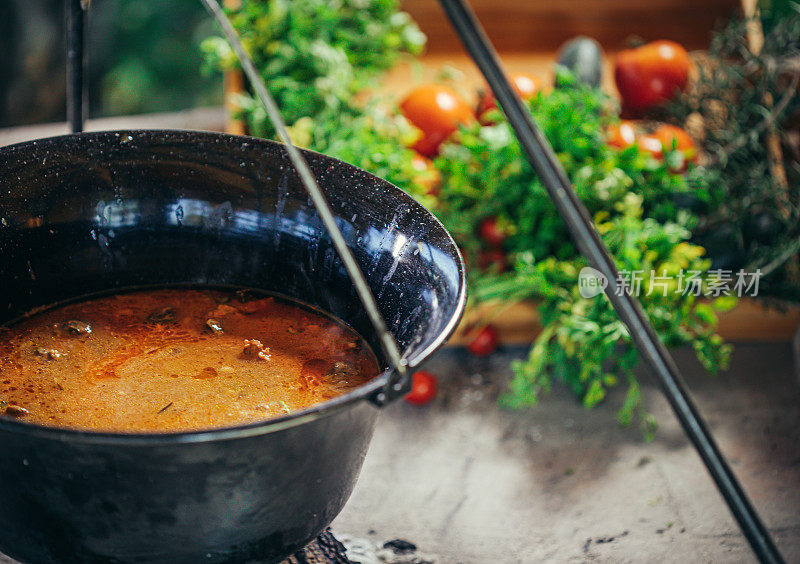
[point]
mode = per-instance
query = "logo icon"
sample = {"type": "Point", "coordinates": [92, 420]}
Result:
{"type": "Point", "coordinates": [591, 282]}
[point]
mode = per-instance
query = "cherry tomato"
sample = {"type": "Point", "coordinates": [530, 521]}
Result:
{"type": "Point", "coordinates": [525, 85]}
{"type": "Point", "coordinates": [664, 138]}
{"type": "Point", "coordinates": [490, 232]}
{"type": "Point", "coordinates": [428, 176]}
{"type": "Point", "coordinates": [651, 144]}
{"type": "Point", "coordinates": [494, 259]}
{"type": "Point", "coordinates": [437, 111]}
{"type": "Point", "coordinates": [671, 135]}
{"type": "Point", "coordinates": [423, 388]}
{"type": "Point", "coordinates": [621, 135]}
{"type": "Point", "coordinates": [420, 163]}
{"type": "Point", "coordinates": [485, 341]}
{"type": "Point", "coordinates": [650, 75]}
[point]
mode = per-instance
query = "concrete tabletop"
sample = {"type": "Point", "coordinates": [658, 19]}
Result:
{"type": "Point", "coordinates": [470, 482]}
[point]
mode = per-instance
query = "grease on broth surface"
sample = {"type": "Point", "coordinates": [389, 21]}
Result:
{"type": "Point", "coordinates": [175, 360]}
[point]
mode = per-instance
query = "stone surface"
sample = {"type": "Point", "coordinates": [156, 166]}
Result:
{"type": "Point", "coordinates": [471, 482]}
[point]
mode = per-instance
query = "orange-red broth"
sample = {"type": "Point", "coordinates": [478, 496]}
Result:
{"type": "Point", "coordinates": [175, 360]}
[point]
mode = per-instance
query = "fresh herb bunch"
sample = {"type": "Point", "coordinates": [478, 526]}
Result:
{"type": "Point", "coordinates": [584, 344]}
{"type": "Point", "coordinates": [376, 139]}
{"type": "Point", "coordinates": [485, 174]}
{"type": "Point", "coordinates": [744, 108]}
{"type": "Point", "coordinates": [315, 55]}
{"type": "Point", "coordinates": [632, 198]}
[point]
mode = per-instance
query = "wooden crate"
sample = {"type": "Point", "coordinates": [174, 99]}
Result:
{"type": "Point", "coordinates": [750, 321]}
{"type": "Point", "coordinates": [542, 25]}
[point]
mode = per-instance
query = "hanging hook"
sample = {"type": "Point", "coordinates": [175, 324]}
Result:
{"type": "Point", "coordinates": [76, 63]}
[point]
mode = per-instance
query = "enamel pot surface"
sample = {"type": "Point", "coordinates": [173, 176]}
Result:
{"type": "Point", "coordinates": [100, 212]}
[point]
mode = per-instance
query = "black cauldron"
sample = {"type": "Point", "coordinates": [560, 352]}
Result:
{"type": "Point", "coordinates": [99, 212]}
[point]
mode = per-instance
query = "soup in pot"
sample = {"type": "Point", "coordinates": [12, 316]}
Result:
{"type": "Point", "coordinates": [175, 360]}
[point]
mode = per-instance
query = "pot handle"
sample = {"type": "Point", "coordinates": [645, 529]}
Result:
{"type": "Point", "coordinates": [396, 386]}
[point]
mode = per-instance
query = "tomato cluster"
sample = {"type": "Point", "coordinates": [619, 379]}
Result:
{"type": "Point", "coordinates": [646, 77]}
{"type": "Point", "coordinates": [663, 139]}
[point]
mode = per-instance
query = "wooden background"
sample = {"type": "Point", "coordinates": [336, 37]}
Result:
{"type": "Point", "coordinates": [542, 25]}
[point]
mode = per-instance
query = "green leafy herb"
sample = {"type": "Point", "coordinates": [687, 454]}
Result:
{"type": "Point", "coordinates": [315, 55]}
{"type": "Point", "coordinates": [485, 174]}
{"type": "Point", "coordinates": [629, 193]}
{"type": "Point", "coordinates": [584, 344]}
{"type": "Point", "coordinates": [377, 140]}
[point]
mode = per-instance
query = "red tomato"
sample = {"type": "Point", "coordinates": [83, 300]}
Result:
{"type": "Point", "coordinates": [428, 175]}
{"type": "Point", "coordinates": [650, 75]}
{"type": "Point", "coordinates": [490, 232]}
{"type": "Point", "coordinates": [485, 341]}
{"type": "Point", "coordinates": [651, 144]}
{"type": "Point", "coordinates": [526, 85]}
{"type": "Point", "coordinates": [420, 163]}
{"type": "Point", "coordinates": [671, 134]}
{"type": "Point", "coordinates": [664, 138]}
{"type": "Point", "coordinates": [423, 388]}
{"type": "Point", "coordinates": [494, 259]}
{"type": "Point", "coordinates": [437, 111]}
{"type": "Point", "coordinates": [621, 135]}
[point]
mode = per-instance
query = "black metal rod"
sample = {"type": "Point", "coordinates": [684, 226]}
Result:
{"type": "Point", "coordinates": [76, 63]}
{"type": "Point", "coordinates": [576, 216]}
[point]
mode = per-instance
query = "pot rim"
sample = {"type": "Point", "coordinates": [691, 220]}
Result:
{"type": "Point", "coordinates": [324, 409]}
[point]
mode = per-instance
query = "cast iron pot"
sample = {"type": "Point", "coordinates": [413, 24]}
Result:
{"type": "Point", "coordinates": [100, 212]}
